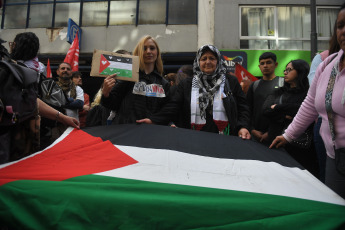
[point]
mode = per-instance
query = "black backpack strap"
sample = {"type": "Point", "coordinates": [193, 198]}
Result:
{"type": "Point", "coordinates": [13, 70]}
{"type": "Point", "coordinates": [23, 74]}
{"type": "Point", "coordinates": [255, 85]}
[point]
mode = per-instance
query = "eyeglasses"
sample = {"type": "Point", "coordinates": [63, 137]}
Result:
{"type": "Point", "coordinates": [288, 70]}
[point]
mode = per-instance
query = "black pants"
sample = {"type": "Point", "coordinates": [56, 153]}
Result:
{"type": "Point", "coordinates": [334, 180]}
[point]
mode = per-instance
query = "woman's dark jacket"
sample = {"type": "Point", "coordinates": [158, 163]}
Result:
{"type": "Point", "coordinates": [237, 109]}
{"type": "Point", "coordinates": [130, 107]}
{"type": "Point", "coordinates": [288, 101]}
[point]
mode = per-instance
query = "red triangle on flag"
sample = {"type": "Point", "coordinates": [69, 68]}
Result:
{"type": "Point", "coordinates": [104, 64]}
{"type": "Point", "coordinates": [49, 71]}
{"type": "Point", "coordinates": [76, 155]}
{"type": "Point", "coordinates": [72, 56]}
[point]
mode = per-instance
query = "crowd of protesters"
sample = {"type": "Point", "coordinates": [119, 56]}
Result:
{"type": "Point", "coordinates": [204, 97]}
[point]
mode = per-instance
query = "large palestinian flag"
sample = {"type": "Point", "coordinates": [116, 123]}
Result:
{"type": "Point", "coordinates": [155, 177]}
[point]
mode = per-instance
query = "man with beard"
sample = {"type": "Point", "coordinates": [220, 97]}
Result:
{"type": "Point", "coordinates": [74, 93]}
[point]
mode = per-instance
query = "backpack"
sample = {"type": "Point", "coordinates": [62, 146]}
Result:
{"type": "Point", "coordinates": [280, 83]}
{"type": "Point", "coordinates": [18, 92]}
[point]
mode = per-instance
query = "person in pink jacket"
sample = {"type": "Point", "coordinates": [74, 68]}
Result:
{"type": "Point", "coordinates": [315, 105]}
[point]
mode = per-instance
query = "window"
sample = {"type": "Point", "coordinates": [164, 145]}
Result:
{"type": "Point", "coordinates": [284, 28]}
{"type": "Point", "coordinates": [152, 12]}
{"type": "Point", "coordinates": [15, 16]}
{"type": "Point", "coordinates": [64, 11]}
{"type": "Point", "coordinates": [40, 15]}
{"type": "Point", "coordinates": [122, 12]}
{"type": "Point", "coordinates": [96, 12]}
{"type": "Point", "coordinates": [326, 18]}
{"type": "Point", "coordinates": [180, 12]}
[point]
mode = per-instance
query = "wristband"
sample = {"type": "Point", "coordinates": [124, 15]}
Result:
{"type": "Point", "coordinates": [57, 116]}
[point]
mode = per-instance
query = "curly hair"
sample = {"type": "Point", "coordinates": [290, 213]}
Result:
{"type": "Point", "coordinates": [26, 46]}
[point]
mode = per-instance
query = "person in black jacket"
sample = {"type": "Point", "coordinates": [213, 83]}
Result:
{"type": "Point", "coordinates": [211, 100]}
{"type": "Point", "coordinates": [281, 107]}
{"type": "Point", "coordinates": [133, 101]}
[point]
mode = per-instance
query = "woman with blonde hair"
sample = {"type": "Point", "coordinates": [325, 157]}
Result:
{"type": "Point", "coordinates": [133, 101]}
{"type": "Point", "coordinates": [139, 51]}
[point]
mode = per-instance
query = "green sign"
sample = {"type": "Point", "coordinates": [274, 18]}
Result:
{"type": "Point", "coordinates": [283, 58]}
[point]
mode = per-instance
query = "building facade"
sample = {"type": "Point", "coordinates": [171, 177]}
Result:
{"type": "Point", "coordinates": [237, 27]}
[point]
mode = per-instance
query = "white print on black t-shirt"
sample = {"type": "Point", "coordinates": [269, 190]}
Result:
{"type": "Point", "coordinates": [151, 90]}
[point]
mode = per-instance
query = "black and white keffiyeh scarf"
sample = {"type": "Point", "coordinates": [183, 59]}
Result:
{"type": "Point", "coordinates": [205, 94]}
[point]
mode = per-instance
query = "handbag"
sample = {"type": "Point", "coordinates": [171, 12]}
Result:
{"type": "Point", "coordinates": [305, 139]}
{"type": "Point", "coordinates": [52, 94]}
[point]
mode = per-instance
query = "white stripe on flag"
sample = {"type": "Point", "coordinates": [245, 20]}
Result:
{"type": "Point", "coordinates": [174, 167]}
{"type": "Point", "coordinates": [120, 65]}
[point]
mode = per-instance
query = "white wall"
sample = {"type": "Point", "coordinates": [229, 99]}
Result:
{"type": "Point", "coordinates": [171, 38]}
{"type": "Point", "coordinates": [206, 22]}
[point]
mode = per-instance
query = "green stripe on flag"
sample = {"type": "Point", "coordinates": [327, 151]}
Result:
{"type": "Point", "coordinates": [119, 72]}
{"type": "Point", "coordinates": [100, 202]}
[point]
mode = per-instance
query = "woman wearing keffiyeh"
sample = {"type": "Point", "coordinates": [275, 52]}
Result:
{"type": "Point", "coordinates": [211, 101]}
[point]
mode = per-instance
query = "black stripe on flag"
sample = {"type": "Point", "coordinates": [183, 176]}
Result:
{"type": "Point", "coordinates": [190, 141]}
{"type": "Point", "coordinates": [111, 58]}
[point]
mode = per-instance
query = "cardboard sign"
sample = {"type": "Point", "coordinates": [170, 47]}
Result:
{"type": "Point", "coordinates": [106, 63]}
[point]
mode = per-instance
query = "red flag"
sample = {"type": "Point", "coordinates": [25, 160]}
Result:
{"type": "Point", "coordinates": [68, 160]}
{"type": "Point", "coordinates": [49, 71]}
{"type": "Point", "coordinates": [72, 56]}
{"type": "Point", "coordinates": [242, 74]}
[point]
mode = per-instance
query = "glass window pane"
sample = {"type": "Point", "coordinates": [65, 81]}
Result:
{"type": "Point", "coordinates": [294, 22]}
{"type": "Point", "coordinates": [95, 13]}
{"type": "Point", "coordinates": [258, 44]}
{"type": "Point", "coordinates": [257, 21]}
{"type": "Point", "coordinates": [45, 1]}
{"type": "Point", "coordinates": [182, 12]}
{"type": "Point", "coordinates": [262, 44]}
{"type": "Point", "coordinates": [15, 17]}
{"type": "Point", "coordinates": [122, 12]}
{"type": "Point", "coordinates": [16, 1]}
{"type": "Point", "coordinates": [64, 11]}
{"type": "Point", "coordinates": [41, 15]}
{"type": "Point", "coordinates": [244, 44]}
{"type": "Point", "coordinates": [244, 21]}
{"type": "Point", "coordinates": [294, 45]}
{"type": "Point", "coordinates": [325, 21]}
{"type": "Point", "coordinates": [152, 12]}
